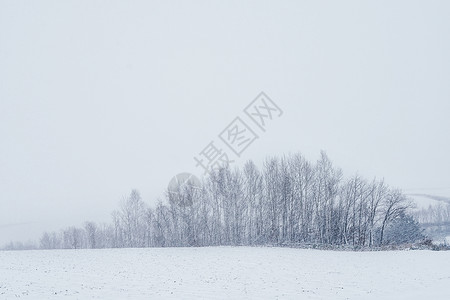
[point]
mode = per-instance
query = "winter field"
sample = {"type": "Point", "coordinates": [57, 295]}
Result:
{"type": "Point", "coordinates": [223, 273]}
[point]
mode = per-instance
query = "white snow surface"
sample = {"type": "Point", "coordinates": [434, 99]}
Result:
{"type": "Point", "coordinates": [223, 273]}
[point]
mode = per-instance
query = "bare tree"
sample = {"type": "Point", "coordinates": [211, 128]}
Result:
{"type": "Point", "coordinates": [91, 232]}
{"type": "Point", "coordinates": [394, 205]}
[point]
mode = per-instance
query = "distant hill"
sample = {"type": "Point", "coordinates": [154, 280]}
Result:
{"type": "Point", "coordinates": [423, 201]}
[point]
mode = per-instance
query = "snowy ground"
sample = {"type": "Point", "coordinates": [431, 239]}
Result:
{"type": "Point", "coordinates": [224, 273]}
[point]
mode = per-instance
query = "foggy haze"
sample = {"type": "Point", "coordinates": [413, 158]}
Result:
{"type": "Point", "coordinates": [98, 99]}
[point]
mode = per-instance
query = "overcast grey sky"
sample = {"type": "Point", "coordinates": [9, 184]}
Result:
{"type": "Point", "coordinates": [99, 97]}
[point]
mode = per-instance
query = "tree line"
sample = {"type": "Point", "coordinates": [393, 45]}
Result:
{"type": "Point", "coordinates": [436, 214]}
{"type": "Point", "coordinates": [436, 221]}
{"type": "Point", "coordinates": [288, 201]}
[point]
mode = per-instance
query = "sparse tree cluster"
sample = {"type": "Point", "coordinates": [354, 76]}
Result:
{"type": "Point", "coordinates": [437, 214]}
{"type": "Point", "coordinates": [435, 220]}
{"type": "Point", "coordinates": [289, 200]}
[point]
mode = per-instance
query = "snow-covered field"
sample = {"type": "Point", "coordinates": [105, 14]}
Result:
{"type": "Point", "coordinates": [224, 273]}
